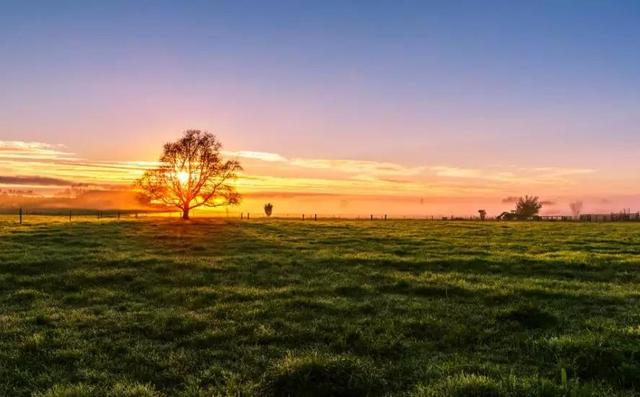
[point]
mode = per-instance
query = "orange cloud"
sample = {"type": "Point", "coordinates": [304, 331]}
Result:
{"type": "Point", "coordinates": [267, 175]}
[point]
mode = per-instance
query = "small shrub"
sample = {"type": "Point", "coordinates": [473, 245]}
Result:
{"type": "Point", "coordinates": [268, 209]}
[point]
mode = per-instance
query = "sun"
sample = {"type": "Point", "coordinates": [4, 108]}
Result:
{"type": "Point", "coordinates": [183, 177]}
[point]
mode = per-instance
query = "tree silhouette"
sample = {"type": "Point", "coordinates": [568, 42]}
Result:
{"type": "Point", "coordinates": [527, 207]}
{"type": "Point", "coordinates": [483, 214]}
{"type": "Point", "coordinates": [192, 174]}
{"type": "Point", "coordinates": [576, 208]}
{"type": "Point", "coordinates": [268, 209]}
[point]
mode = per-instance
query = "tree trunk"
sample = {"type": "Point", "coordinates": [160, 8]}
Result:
{"type": "Point", "coordinates": [185, 214]}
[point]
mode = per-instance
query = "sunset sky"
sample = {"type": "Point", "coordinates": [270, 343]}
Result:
{"type": "Point", "coordinates": [345, 107]}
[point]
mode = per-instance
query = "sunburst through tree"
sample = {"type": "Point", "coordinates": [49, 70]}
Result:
{"type": "Point", "coordinates": [192, 174]}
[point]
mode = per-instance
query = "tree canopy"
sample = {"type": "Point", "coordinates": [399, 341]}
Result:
{"type": "Point", "coordinates": [192, 174]}
{"type": "Point", "coordinates": [268, 209]}
{"type": "Point", "coordinates": [527, 207]}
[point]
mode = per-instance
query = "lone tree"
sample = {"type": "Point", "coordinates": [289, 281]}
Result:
{"type": "Point", "coordinates": [527, 207]}
{"type": "Point", "coordinates": [483, 214]}
{"type": "Point", "coordinates": [576, 209]}
{"type": "Point", "coordinates": [268, 209]}
{"type": "Point", "coordinates": [192, 174]}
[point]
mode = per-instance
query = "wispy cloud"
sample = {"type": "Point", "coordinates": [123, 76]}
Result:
{"type": "Point", "coordinates": [32, 150]}
{"type": "Point", "coordinates": [455, 172]}
{"type": "Point", "coordinates": [263, 156]}
{"type": "Point", "coordinates": [359, 167]}
{"type": "Point", "coordinates": [41, 164]}
{"type": "Point", "coordinates": [343, 165]}
{"type": "Point", "coordinates": [513, 175]}
{"type": "Point", "coordinates": [34, 180]}
{"type": "Point", "coordinates": [510, 199]}
{"type": "Point", "coordinates": [557, 174]}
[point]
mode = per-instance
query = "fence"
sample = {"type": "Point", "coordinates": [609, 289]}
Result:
{"type": "Point", "coordinates": [22, 214]}
{"type": "Point", "coordinates": [613, 217]}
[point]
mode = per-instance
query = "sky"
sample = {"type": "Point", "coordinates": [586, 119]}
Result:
{"type": "Point", "coordinates": [400, 107]}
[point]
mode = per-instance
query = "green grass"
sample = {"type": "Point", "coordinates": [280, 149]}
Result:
{"type": "Point", "coordinates": [342, 308]}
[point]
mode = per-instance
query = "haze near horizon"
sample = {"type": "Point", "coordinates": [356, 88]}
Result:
{"type": "Point", "coordinates": [407, 108]}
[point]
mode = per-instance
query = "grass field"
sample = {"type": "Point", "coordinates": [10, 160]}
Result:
{"type": "Point", "coordinates": [342, 308]}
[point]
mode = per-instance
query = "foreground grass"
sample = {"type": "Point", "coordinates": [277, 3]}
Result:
{"type": "Point", "coordinates": [278, 308]}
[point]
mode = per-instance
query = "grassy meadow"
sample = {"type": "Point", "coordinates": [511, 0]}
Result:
{"type": "Point", "coordinates": [328, 308]}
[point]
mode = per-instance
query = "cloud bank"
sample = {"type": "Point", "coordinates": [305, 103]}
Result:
{"type": "Point", "coordinates": [42, 168]}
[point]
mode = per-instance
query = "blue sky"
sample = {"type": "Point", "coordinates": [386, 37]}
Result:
{"type": "Point", "coordinates": [472, 84]}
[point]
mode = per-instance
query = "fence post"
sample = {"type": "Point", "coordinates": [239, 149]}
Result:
{"type": "Point", "coordinates": [242, 215]}
{"type": "Point", "coordinates": [69, 215]}
{"type": "Point", "coordinates": [315, 217]}
{"type": "Point", "coordinates": [248, 215]}
{"type": "Point", "coordinates": [21, 215]}
{"type": "Point", "coordinates": [385, 217]}
{"type": "Point", "coordinates": [302, 216]}
{"type": "Point", "coordinates": [371, 216]}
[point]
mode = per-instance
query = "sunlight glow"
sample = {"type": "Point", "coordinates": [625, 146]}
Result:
{"type": "Point", "coordinates": [331, 186]}
{"type": "Point", "coordinates": [183, 177]}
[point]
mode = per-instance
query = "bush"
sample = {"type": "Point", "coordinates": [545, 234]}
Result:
{"type": "Point", "coordinates": [268, 209]}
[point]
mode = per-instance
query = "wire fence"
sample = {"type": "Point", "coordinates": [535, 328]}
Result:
{"type": "Point", "coordinates": [23, 215]}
